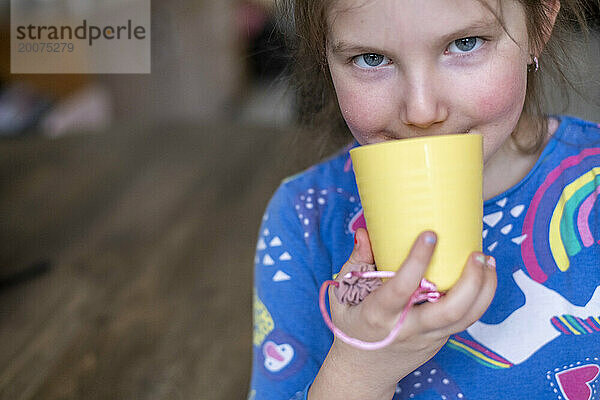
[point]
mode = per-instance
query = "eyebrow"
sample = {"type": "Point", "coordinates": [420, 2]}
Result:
{"type": "Point", "coordinates": [478, 27]}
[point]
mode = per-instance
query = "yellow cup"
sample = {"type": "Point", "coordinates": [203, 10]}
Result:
{"type": "Point", "coordinates": [429, 183]}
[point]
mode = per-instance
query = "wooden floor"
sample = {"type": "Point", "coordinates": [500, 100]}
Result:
{"type": "Point", "coordinates": [150, 237]}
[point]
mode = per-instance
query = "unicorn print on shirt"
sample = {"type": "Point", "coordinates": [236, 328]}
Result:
{"type": "Point", "coordinates": [554, 231]}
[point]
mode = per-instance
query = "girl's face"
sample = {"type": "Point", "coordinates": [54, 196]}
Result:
{"type": "Point", "coordinates": [407, 68]}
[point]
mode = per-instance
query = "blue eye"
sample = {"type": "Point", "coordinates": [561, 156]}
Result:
{"type": "Point", "coordinates": [370, 60]}
{"type": "Point", "coordinates": [465, 45]}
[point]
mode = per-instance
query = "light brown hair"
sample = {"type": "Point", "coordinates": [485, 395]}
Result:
{"type": "Point", "coordinates": [305, 22]}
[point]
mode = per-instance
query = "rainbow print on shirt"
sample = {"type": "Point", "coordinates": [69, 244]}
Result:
{"type": "Point", "coordinates": [573, 325]}
{"type": "Point", "coordinates": [563, 212]}
{"type": "Point", "coordinates": [479, 353]}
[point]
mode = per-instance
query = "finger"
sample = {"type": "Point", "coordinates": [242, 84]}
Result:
{"type": "Point", "coordinates": [362, 252]}
{"type": "Point", "coordinates": [455, 304]}
{"type": "Point", "coordinates": [390, 299]}
{"type": "Point", "coordinates": [482, 302]}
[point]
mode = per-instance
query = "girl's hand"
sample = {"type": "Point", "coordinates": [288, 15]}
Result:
{"type": "Point", "coordinates": [426, 327]}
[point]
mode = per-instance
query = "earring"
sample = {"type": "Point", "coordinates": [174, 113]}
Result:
{"type": "Point", "coordinates": [536, 63]}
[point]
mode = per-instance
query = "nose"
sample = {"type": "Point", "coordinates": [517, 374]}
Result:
{"type": "Point", "coordinates": [423, 104]}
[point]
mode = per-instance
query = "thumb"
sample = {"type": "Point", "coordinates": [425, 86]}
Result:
{"type": "Point", "coordinates": [362, 252]}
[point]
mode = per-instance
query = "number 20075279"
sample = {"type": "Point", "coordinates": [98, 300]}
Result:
{"type": "Point", "coordinates": [42, 47]}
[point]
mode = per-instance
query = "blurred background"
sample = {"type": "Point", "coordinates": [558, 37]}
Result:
{"type": "Point", "coordinates": [130, 204]}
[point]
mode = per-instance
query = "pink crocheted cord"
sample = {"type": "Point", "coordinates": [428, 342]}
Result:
{"type": "Point", "coordinates": [355, 286]}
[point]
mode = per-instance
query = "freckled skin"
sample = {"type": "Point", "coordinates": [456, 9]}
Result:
{"type": "Point", "coordinates": [425, 89]}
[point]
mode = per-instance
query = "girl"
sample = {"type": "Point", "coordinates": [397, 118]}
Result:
{"type": "Point", "coordinates": [393, 69]}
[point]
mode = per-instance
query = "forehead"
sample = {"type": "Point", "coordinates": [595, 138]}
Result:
{"type": "Point", "coordinates": [411, 17]}
{"type": "Point", "coordinates": [344, 6]}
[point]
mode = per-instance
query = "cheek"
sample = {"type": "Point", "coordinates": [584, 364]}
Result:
{"type": "Point", "coordinates": [503, 96]}
{"type": "Point", "coordinates": [498, 105]}
{"type": "Point", "coordinates": [365, 110]}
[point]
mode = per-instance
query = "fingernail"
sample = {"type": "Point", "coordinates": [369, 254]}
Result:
{"type": "Point", "coordinates": [355, 241]}
{"type": "Point", "coordinates": [480, 258]}
{"type": "Point", "coordinates": [430, 238]}
{"type": "Point", "coordinates": [491, 262]}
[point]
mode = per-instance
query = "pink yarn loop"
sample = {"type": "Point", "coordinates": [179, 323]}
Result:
{"type": "Point", "coordinates": [426, 291]}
